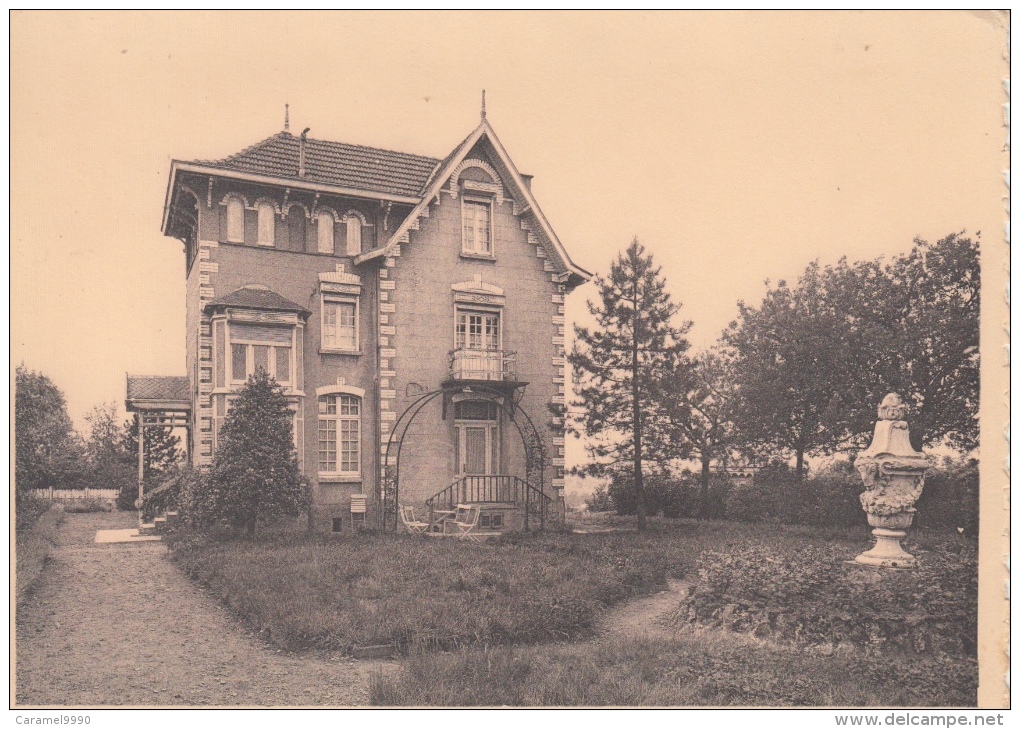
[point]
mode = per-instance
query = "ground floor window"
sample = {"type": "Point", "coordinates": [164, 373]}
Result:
{"type": "Point", "coordinates": [340, 435]}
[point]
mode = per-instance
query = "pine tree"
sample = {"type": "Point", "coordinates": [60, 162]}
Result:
{"type": "Point", "coordinates": [618, 364]}
{"type": "Point", "coordinates": [255, 475]}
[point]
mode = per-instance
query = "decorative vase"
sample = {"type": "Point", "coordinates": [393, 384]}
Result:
{"type": "Point", "coordinates": [893, 475]}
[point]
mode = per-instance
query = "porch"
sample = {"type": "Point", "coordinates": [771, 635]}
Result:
{"type": "Point", "coordinates": [504, 503]}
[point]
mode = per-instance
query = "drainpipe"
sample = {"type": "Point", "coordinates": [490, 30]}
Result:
{"type": "Point", "coordinates": [301, 153]}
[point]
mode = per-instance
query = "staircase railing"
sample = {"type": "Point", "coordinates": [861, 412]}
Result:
{"type": "Point", "coordinates": [492, 489]}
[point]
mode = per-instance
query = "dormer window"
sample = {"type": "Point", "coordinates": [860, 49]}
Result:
{"type": "Point", "coordinates": [324, 224]}
{"type": "Point", "coordinates": [235, 220]}
{"type": "Point", "coordinates": [267, 224]}
{"type": "Point", "coordinates": [477, 215]}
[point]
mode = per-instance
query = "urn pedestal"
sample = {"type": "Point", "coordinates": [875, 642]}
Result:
{"type": "Point", "coordinates": [893, 475]}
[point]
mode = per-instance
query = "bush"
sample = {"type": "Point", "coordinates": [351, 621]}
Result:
{"type": "Point", "coordinates": [810, 594]}
{"type": "Point", "coordinates": [87, 506]}
{"type": "Point", "coordinates": [831, 497]}
{"type": "Point", "coordinates": [950, 496]}
{"type": "Point", "coordinates": [599, 499]}
{"type": "Point", "coordinates": [672, 495]}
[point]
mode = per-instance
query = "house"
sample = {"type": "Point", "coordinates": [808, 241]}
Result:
{"type": "Point", "coordinates": [411, 307]}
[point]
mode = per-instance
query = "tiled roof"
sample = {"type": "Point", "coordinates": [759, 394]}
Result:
{"type": "Point", "coordinates": [333, 163]}
{"type": "Point", "coordinates": [146, 387]}
{"type": "Point", "coordinates": [251, 297]}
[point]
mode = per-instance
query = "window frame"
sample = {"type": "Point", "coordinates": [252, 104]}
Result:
{"type": "Point", "coordinates": [322, 401]}
{"type": "Point", "coordinates": [480, 201]}
{"type": "Point", "coordinates": [259, 207]}
{"type": "Point", "coordinates": [233, 201]}
{"type": "Point", "coordinates": [335, 347]}
{"type": "Point", "coordinates": [319, 230]}
{"type": "Point", "coordinates": [469, 309]}
{"type": "Point", "coordinates": [250, 344]}
{"type": "Point", "coordinates": [351, 217]}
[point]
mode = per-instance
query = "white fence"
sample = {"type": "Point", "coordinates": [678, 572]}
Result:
{"type": "Point", "coordinates": [75, 494]}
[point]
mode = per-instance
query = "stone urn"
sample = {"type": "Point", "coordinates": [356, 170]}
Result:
{"type": "Point", "coordinates": [893, 475]}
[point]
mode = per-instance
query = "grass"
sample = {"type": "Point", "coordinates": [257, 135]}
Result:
{"type": "Point", "coordinates": [33, 547]}
{"type": "Point", "coordinates": [305, 592]}
{"type": "Point", "coordinates": [704, 669]}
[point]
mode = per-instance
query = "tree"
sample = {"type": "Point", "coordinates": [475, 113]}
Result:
{"type": "Point", "coordinates": [698, 403]}
{"type": "Point", "coordinates": [255, 474]}
{"type": "Point", "coordinates": [47, 449]}
{"type": "Point", "coordinates": [930, 356]}
{"type": "Point", "coordinates": [789, 369]}
{"type": "Point", "coordinates": [162, 448]}
{"type": "Point", "coordinates": [618, 364]}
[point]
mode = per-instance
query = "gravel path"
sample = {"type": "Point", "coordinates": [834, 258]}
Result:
{"type": "Point", "coordinates": [119, 624]}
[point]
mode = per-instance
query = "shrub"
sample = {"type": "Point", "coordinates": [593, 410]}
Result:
{"type": "Point", "coordinates": [812, 595]}
{"type": "Point", "coordinates": [87, 506]}
{"type": "Point", "coordinates": [671, 495]}
{"type": "Point", "coordinates": [599, 499]}
{"type": "Point", "coordinates": [831, 497]}
{"type": "Point", "coordinates": [950, 496]}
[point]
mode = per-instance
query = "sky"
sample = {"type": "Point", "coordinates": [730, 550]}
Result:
{"type": "Point", "coordinates": [737, 146]}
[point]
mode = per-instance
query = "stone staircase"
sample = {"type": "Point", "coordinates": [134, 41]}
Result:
{"type": "Point", "coordinates": [159, 525]}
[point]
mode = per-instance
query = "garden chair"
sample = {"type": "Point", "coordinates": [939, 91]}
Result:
{"type": "Point", "coordinates": [466, 521]}
{"type": "Point", "coordinates": [414, 526]}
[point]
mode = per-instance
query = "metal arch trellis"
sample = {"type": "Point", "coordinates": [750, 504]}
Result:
{"type": "Point", "coordinates": [534, 449]}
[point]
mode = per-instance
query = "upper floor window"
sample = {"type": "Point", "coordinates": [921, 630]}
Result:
{"type": "Point", "coordinates": [477, 216]}
{"type": "Point", "coordinates": [324, 224]}
{"type": "Point", "coordinates": [257, 346]}
{"type": "Point", "coordinates": [340, 435]}
{"type": "Point", "coordinates": [235, 220]}
{"type": "Point", "coordinates": [353, 234]}
{"type": "Point", "coordinates": [477, 330]}
{"type": "Point", "coordinates": [267, 224]}
{"type": "Point", "coordinates": [340, 323]}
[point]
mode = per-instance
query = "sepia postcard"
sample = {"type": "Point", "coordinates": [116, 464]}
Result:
{"type": "Point", "coordinates": [510, 359]}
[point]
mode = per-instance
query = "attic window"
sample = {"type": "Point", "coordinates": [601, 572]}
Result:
{"type": "Point", "coordinates": [477, 216]}
{"type": "Point", "coordinates": [235, 220]}
{"type": "Point", "coordinates": [267, 225]}
{"type": "Point", "coordinates": [324, 224]}
{"type": "Point", "coordinates": [353, 234]}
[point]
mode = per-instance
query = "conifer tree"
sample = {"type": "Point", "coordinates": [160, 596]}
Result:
{"type": "Point", "coordinates": [255, 475]}
{"type": "Point", "coordinates": [618, 364]}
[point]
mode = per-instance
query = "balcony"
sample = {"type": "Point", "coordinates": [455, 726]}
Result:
{"type": "Point", "coordinates": [479, 365]}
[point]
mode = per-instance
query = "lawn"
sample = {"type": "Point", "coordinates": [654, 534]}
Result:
{"type": "Point", "coordinates": [508, 622]}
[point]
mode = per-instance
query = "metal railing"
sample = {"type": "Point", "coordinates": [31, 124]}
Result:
{"type": "Point", "coordinates": [492, 489]}
{"type": "Point", "coordinates": [483, 365]}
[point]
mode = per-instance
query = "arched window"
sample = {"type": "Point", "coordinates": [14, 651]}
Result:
{"type": "Point", "coordinates": [353, 234]}
{"type": "Point", "coordinates": [325, 226]}
{"type": "Point", "coordinates": [267, 224]}
{"type": "Point", "coordinates": [235, 220]}
{"type": "Point", "coordinates": [296, 228]}
{"type": "Point", "coordinates": [340, 435]}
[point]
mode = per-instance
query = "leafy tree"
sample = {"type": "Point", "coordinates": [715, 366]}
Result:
{"type": "Point", "coordinates": [697, 403]}
{"type": "Point", "coordinates": [811, 362]}
{"type": "Point", "coordinates": [789, 369]}
{"type": "Point", "coordinates": [47, 452]}
{"type": "Point", "coordinates": [929, 308]}
{"type": "Point", "coordinates": [255, 474]}
{"type": "Point", "coordinates": [618, 364]}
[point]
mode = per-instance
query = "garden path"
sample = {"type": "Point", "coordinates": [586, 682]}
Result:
{"type": "Point", "coordinates": [118, 624]}
{"type": "Point", "coordinates": [645, 616]}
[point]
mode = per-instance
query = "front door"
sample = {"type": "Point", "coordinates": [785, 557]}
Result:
{"type": "Point", "coordinates": [477, 438]}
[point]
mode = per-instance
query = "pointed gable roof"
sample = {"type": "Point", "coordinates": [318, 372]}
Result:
{"type": "Point", "coordinates": [517, 186]}
{"type": "Point", "coordinates": [332, 163]}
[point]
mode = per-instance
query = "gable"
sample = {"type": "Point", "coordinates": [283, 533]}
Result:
{"type": "Point", "coordinates": [481, 153]}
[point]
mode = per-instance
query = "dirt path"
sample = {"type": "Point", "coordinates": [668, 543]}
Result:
{"type": "Point", "coordinates": [644, 616]}
{"type": "Point", "coordinates": [119, 625]}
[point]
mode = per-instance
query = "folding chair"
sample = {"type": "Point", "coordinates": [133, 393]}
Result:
{"type": "Point", "coordinates": [413, 525]}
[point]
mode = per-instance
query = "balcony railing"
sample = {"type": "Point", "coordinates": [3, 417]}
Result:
{"type": "Point", "coordinates": [484, 365]}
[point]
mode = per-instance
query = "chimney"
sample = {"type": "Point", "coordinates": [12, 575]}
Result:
{"type": "Point", "coordinates": [301, 152]}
